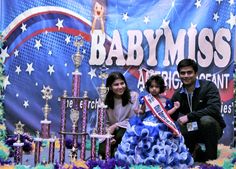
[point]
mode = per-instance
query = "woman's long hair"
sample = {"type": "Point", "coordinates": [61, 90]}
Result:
{"type": "Point", "coordinates": [109, 100]}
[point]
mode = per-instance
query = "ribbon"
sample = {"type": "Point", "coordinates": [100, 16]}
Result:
{"type": "Point", "coordinates": [158, 110]}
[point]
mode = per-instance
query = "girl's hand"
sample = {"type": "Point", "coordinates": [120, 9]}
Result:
{"type": "Point", "coordinates": [176, 104]}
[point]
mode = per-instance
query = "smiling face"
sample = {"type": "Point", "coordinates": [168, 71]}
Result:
{"type": "Point", "coordinates": [118, 87]}
{"type": "Point", "coordinates": [188, 76]}
{"type": "Point", "coordinates": [98, 9]}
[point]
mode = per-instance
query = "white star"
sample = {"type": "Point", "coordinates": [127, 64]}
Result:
{"type": "Point", "coordinates": [219, 1]}
{"type": "Point", "coordinates": [4, 54]}
{"type": "Point", "coordinates": [59, 24]}
{"type": "Point", "coordinates": [193, 25]}
{"type": "Point", "coordinates": [36, 84]}
{"type": "Point", "coordinates": [50, 52]}
{"type": "Point", "coordinates": [29, 68]}
{"type": "Point", "coordinates": [50, 69]}
{"type": "Point", "coordinates": [16, 53]}
{"type": "Point", "coordinates": [65, 64]}
{"type": "Point", "coordinates": [232, 20]}
{"type": "Point", "coordinates": [146, 19]}
{"type": "Point", "coordinates": [67, 39]}
{"type": "Point", "coordinates": [37, 44]}
{"type": "Point", "coordinates": [141, 89]}
{"type": "Point", "coordinates": [231, 2]}
{"type": "Point", "coordinates": [23, 27]}
{"type": "Point", "coordinates": [26, 103]}
{"type": "Point", "coordinates": [83, 51]}
{"type": "Point", "coordinates": [68, 74]}
{"type": "Point", "coordinates": [198, 3]}
{"type": "Point", "coordinates": [165, 23]}
{"type": "Point", "coordinates": [125, 16]}
{"type": "Point", "coordinates": [17, 94]}
{"type": "Point", "coordinates": [18, 70]}
{"type": "Point", "coordinates": [215, 16]}
{"type": "Point", "coordinates": [6, 81]}
{"type": "Point", "coordinates": [92, 73]}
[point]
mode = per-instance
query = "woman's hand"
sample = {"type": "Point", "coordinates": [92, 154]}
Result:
{"type": "Point", "coordinates": [112, 128]}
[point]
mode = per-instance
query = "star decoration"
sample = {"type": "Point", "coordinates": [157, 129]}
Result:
{"type": "Point", "coordinates": [4, 54]}
{"type": "Point", "coordinates": [219, 1]}
{"type": "Point", "coordinates": [37, 44]}
{"type": "Point", "coordinates": [165, 23]}
{"type": "Point", "coordinates": [26, 103]}
{"type": "Point", "coordinates": [215, 16]}
{"type": "Point", "coordinates": [125, 16]}
{"type": "Point", "coordinates": [232, 20]}
{"type": "Point", "coordinates": [198, 3]}
{"type": "Point", "coordinates": [19, 128]}
{"type": "Point", "coordinates": [47, 92]}
{"type": "Point", "coordinates": [65, 64]}
{"type": "Point", "coordinates": [18, 70]}
{"type": "Point", "coordinates": [59, 24]}
{"type": "Point", "coordinates": [6, 81]}
{"type": "Point", "coordinates": [67, 39]}
{"type": "Point", "coordinates": [146, 19]}
{"type": "Point", "coordinates": [23, 27]}
{"type": "Point", "coordinates": [50, 52]}
{"type": "Point", "coordinates": [16, 53]}
{"type": "Point", "coordinates": [17, 94]}
{"type": "Point", "coordinates": [36, 84]}
{"type": "Point", "coordinates": [92, 73]}
{"type": "Point", "coordinates": [83, 51]}
{"type": "Point", "coordinates": [29, 68]}
{"type": "Point", "coordinates": [51, 69]}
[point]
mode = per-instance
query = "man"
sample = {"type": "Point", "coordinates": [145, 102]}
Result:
{"type": "Point", "coordinates": [199, 114]}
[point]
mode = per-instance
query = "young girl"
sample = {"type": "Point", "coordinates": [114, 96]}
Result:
{"type": "Point", "coordinates": [154, 139]}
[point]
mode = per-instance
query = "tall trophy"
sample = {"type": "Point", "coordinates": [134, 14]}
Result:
{"type": "Point", "coordinates": [102, 91]}
{"type": "Point", "coordinates": [77, 60]}
{"type": "Point", "coordinates": [45, 124]}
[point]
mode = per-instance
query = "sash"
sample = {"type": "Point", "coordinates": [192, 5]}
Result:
{"type": "Point", "coordinates": [159, 111]}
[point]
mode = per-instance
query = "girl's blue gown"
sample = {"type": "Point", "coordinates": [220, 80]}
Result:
{"type": "Point", "coordinates": [148, 141]}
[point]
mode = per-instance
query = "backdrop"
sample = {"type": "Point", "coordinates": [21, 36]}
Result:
{"type": "Point", "coordinates": [137, 38]}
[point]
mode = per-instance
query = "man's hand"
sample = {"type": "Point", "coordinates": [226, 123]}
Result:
{"type": "Point", "coordinates": [182, 120]}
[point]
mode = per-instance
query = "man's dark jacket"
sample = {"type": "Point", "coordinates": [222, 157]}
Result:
{"type": "Point", "coordinates": [205, 101]}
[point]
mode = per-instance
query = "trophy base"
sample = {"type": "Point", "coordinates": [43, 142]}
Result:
{"type": "Point", "coordinates": [45, 129]}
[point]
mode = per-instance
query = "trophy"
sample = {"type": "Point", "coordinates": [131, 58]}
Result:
{"type": "Point", "coordinates": [45, 124]}
{"type": "Point", "coordinates": [77, 57]}
{"type": "Point", "coordinates": [77, 60]}
{"type": "Point", "coordinates": [102, 91]}
{"type": "Point", "coordinates": [18, 145]}
{"type": "Point", "coordinates": [74, 116]}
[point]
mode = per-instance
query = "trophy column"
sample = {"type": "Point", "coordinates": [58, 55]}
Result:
{"type": "Point", "coordinates": [45, 124]}
{"type": "Point", "coordinates": [63, 128]}
{"type": "Point", "coordinates": [77, 60]}
{"type": "Point", "coordinates": [100, 132]}
{"type": "Point", "coordinates": [18, 152]}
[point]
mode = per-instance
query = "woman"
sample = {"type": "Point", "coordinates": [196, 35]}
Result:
{"type": "Point", "coordinates": [121, 103]}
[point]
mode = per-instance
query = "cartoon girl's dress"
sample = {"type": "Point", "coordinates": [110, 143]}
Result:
{"type": "Point", "coordinates": [148, 141]}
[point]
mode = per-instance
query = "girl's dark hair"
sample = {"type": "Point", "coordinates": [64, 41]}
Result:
{"type": "Point", "coordinates": [187, 62]}
{"type": "Point", "coordinates": [109, 100]}
{"type": "Point", "coordinates": [159, 80]}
